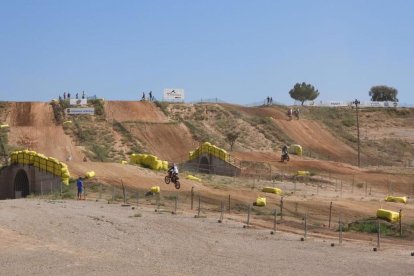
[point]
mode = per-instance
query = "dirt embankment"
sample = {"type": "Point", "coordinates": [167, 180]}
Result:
{"type": "Point", "coordinates": [32, 126]}
{"type": "Point", "coordinates": [122, 111]}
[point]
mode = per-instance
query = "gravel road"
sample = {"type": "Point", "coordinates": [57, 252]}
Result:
{"type": "Point", "coordinates": [67, 237]}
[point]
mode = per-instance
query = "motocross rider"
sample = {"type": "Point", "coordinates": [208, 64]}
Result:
{"type": "Point", "coordinates": [173, 170]}
{"type": "Point", "coordinates": [285, 150]}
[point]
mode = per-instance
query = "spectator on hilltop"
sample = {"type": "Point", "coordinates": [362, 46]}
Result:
{"type": "Point", "coordinates": [143, 96]}
{"type": "Point", "coordinates": [64, 95]}
{"type": "Point", "coordinates": [68, 95]}
{"type": "Point", "coordinates": [77, 96]}
{"type": "Point", "coordinates": [83, 94]}
{"type": "Point", "coordinates": [150, 96]}
{"type": "Point", "coordinates": [271, 100]}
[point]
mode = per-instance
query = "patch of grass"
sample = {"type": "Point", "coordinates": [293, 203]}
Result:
{"type": "Point", "coordinates": [371, 226]}
{"type": "Point", "coordinates": [163, 106]}
{"type": "Point", "coordinates": [136, 215]}
{"type": "Point", "coordinates": [101, 153]}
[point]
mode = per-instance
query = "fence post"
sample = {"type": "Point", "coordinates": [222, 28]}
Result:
{"type": "Point", "coordinates": [221, 212]}
{"type": "Point", "coordinates": [192, 197]}
{"type": "Point", "coordinates": [330, 215]}
{"type": "Point", "coordinates": [379, 234]}
{"type": "Point", "coordinates": [401, 231]}
{"type": "Point", "coordinates": [248, 218]}
{"type": "Point", "coordinates": [137, 199]}
{"type": "Point", "coordinates": [175, 205]}
{"type": "Point", "coordinates": [274, 222]}
{"type": "Point", "coordinates": [353, 183]}
{"type": "Point", "coordinates": [340, 229]}
{"type": "Point", "coordinates": [306, 226]}
{"type": "Point", "coordinates": [199, 206]}
{"type": "Point", "coordinates": [281, 208]}
{"type": "Point", "coordinates": [229, 205]}
{"type": "Point", "coordinates": [113, 193]}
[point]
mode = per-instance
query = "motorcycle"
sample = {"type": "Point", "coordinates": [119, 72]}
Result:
{"type": "Point", "coordinates": [174, 179]}
{"type": "Point", "coordinates": [284, 157]}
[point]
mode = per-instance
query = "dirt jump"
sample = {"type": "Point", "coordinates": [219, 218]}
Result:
{"type": "Point", "coordinates": [32, 126]}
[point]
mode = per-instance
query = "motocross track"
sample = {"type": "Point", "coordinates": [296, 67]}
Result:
{"type": "Point", "coordinates": [169, 141]}
{"type": "Point", "coordinates": [172, 141]}
{"type": "Point", "coordinates": [315, 137]}
{"type": "Point", "coordinates": [32, 123]}
{"type": "Point", "coordinates": [143, 111]}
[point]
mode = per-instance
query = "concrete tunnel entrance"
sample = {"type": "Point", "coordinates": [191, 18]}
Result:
{"type": "Point", "coordinates": [21, 184]}
{"type": "Point", "coordinates": [204, 166]}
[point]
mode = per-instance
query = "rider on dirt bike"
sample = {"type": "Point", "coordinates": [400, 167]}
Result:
{"type": "Point", "coordinates": [285, 153]}
{"type": "Point", "coordinates": [173, 171]}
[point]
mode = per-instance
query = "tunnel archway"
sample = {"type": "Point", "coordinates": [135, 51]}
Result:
{"type": "Point", "coordinates": [204, 166]}
{"type": "Point", "coordinates": [21, 184]}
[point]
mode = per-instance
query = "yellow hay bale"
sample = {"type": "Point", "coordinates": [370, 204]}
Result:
{"type": "Point", "coordinates": [4, 126]}
{"type": "Point", "coordinates": [260, 201]}
{"type": "Point", "coordinates": [296, 149]}
{"type": "Point", "coordinates": [388, 215]}
{"type": "Point", "coordinates": [90, 174]}
{"type": "Point", "coordinates": [67, 122]}
{"type": "Point", "coordinates": [401, 199]}
{"type": "Point", "coordinates": [272, 190]}
{"type": "Point", "coordinates": [191, 177]}
{"type": "Point", "coordinates": [65, 181]}
{"type": "Point", "coordinates": [165, 165]}
{"type": "Point", "coordinates": [124, 162]}
{"type": "Point", "coordinates": [155, 189]}
{"type": "Point", "coordinates": [303, 173]}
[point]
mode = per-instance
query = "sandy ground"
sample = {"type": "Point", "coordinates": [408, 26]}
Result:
{"type": "Point", "coordinates": [40, 237]}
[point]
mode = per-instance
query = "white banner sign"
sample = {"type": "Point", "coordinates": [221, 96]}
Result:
{"type": "Point", "coordinates": [342, 104]}
{"type": "Point", "coordinates": [78, 101]}
{"type": "Point", "coordinates": [174, 94]}
{"type": "Point", "coordinates": [80, 111]}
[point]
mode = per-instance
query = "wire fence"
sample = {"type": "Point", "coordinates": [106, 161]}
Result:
{"type": "Point", "coordinates": [312, 205]}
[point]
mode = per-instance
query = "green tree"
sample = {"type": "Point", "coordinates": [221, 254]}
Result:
{"type": "Point", "coordinates": [231, 138]}
{"type": "Point", "coordinates": [382, 93]}
{"type": "Point", "coordinates": [303, 92]}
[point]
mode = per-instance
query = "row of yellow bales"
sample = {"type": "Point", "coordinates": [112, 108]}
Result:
{"type": "Point", "coordinates": [149, 161]}
{"type": "Point", "coordinates": [206, 147]}
{"type": "Point", "coordinates": [48, 164]}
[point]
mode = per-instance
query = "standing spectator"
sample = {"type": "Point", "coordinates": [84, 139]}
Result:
{"type": "Point", "coordinates": [289, 113]}
{"type": "Point", "coordinates": [267, 100]}
{"type": "Point", "coordinates": [68, 95]}
{"type": "Point", "coordinates": [77, 95]}
{"type": "Point", "coordinates": [79, 184]}
{"type": "Point", "coordinates": [83, 94]}
{"type": "Point", "coordinates": [296, 112]}
{"type": "Point", "coordinates": [143, 96]}
{"type": "Point", "coordinates": [64, 95]}
{"type": "Point", "coordinates": [150, 96]}
{"type": "Point", "coordinates": [60, 98]}
{"type": "Point", "coordinates": [271, 100]}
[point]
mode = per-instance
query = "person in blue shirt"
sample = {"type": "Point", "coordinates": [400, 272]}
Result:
{"type": "Point", "coordinates": [79, 183]}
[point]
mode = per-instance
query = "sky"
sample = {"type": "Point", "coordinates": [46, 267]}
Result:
{"type": "Point", "coordinates": [236, 50]}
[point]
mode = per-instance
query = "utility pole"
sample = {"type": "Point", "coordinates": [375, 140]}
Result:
{"type": "Point", "coordinates": [356, 102]}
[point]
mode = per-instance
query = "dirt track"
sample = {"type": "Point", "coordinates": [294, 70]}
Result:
{"type": "Point", "coordinates": [33, 121]}
{"type": "Point", "coordinates": [76, 237]}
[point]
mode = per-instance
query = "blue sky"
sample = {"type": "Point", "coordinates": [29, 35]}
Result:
{"type": "Point", "coordinates": [239, 51]}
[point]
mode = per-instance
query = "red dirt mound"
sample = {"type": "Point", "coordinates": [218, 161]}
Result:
{"type": "Point", "coordinates": [32, 126]}
{"type": "Point", "coordinates": [314, 137]}
{"type": "Point", "coordinates": [168, 141]}
{"type": "Point", "coordinates": [134, 111]}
